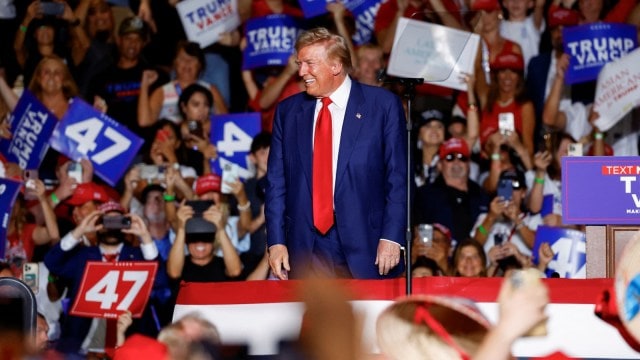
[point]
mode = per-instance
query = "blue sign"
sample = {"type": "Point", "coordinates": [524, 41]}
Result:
{"type": "Point", "coordinates": [364, 11]}
{"type": "Point", "coordinates": [8, 193]}
{"type": "Point", "coordinates": [600, 190]}
{"type": "Point", "coordinates": [270, 40]}
{"type": "Point", "coordinates": [569, 247]}
{"type": "Point", "coordinates": [591, 46]}
{"type": "Point", "coordinates": [232, 135]}
{"type": "Point", "coordinates": [31, 125]}
{"type": "Point", "coordinates": [84, 132]}
{"type": "Point", "coordinates": [312, 8]}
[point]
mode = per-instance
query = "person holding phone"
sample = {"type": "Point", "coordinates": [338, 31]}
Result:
{"type": "Point", "coordinates": [508, 220]}
{"type": "Point", "coordinates": [196, 105]}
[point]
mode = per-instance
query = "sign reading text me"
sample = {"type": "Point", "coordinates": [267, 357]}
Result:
{"type": "Point", "coordinates": [600, 190]}
{"type": "Point", "coordinates": [110, 288]}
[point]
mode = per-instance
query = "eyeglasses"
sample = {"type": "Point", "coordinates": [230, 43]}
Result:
{"type": "Point", "coordinates": [456, 156]}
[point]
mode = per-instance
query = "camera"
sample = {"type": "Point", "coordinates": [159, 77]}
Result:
{"type": "Point", "coordinates": [505, 189]}
{"type": "Point", "coordinates": [197, 225]}
{"type": "Point", "coordinates": [425, 233]}
{"type": "Point", "coordinates": [116, 222]}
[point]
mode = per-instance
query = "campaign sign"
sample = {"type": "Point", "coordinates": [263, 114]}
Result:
{"type": "Point", "coordinates": [8, 192]}
{"type": "Point", "coordinates": [600, 190]}
{"type": "Point", "coordinates": [232, 135]}
{"type": "Point", "coordinates": [617, 92]}
{"type": "Point", "coordinates": [591, 46]}
{"type": "Point", "coordinates": [364, 11]}
{"type": "Point", "coordinates": [313, 8]}
{"type": "Point", "coordinates": [110, 288]}
{"type": "Point", "coordinates": [270, 40]}
{"type": "Point", "coordinates": [84, 132]}
{"type": "Point", "coordinates": [569, 247]}
{"type": "Point", "coordinates": [438, 54]}
{"type": "Point", "coordinates": [204, 20]}
{"type": "Point", "coordinates": [32, 125]}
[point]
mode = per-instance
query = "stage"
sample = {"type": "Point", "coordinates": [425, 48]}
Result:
{"type": "Point", "coordinates": [261, 313]}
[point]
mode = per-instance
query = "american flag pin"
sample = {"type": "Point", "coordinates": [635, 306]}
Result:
{"type": "Point", "coordinates": [358, 115]}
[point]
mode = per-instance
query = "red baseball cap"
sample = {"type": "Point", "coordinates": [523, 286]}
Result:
{"type": "Point", "coordinates": [486, 5]}
{"type": "Point", "coordinates": [110, 206]}
{"type": "Point", "coordinates": [452, 146]}
{"type": "Point", "coordinates": [140, 347]}
{"type": "Point", "coordinates": [559, 16]}
{"type": "Point", "coordinates": [508, 60]}
{"type": "Point", "coordinates": [207, 183]}
{"type": "Point", "coordinates": [87, 192]}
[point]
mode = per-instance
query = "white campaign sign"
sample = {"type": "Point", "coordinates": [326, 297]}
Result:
{"type": "Point", "coordinates": [618, 90]}
{"type": "Point", "coordinates": [435, 53]}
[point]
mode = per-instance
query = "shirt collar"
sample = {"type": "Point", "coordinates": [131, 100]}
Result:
{"type": "Point", "coordinates": [340, 97]}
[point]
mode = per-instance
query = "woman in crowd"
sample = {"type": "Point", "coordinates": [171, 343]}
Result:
{"type": "Point", "coordinates": [195, 103]}
{"type": "Point", "coordinates": [163, 102]}
{"type": "Point", "coordinates": [469, 259]}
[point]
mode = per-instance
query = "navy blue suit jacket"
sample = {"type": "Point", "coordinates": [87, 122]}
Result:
{"type": "Point", "coordinates": [370, 193]}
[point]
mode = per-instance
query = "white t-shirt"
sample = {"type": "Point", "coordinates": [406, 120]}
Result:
{"type": "Point", "coordinates": [525, 34]}
{"type": "Point", "coordinates": [506, 229]}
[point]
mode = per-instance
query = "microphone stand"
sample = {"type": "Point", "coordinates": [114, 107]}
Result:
{"type": "Point", "coordinates": [409, 92]}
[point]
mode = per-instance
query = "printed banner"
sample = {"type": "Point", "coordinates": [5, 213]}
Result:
{"type": "Point", "coordinates": [84, 132]}
{"type": "Point", "coordinates": [31, 125]}
{"type": "Point", "coordinates": [110, 288]}
{"type": "Point", "coordinates": [232, 135]}
{"type": "Point", "coordinates": [8, 193]}
{"type": "Point", "coordinates": [591, 46]}
{"type": "Point", "coordinates": [617, 92]}
{"type": "Point", "coordinates": [313, 8]}
{"type": "Point", "coordinates": [204, 20]}
{"type": "Point", "coordinates": [270, 41]}
{"type": "Point", "coordinates": [600, 190]}
{"type": "Point", "coordinates": [569, 247]}
{"type": "Point", "coordinates": [364, 11]}
{"type": "Point", "coordinates": [435, 53]}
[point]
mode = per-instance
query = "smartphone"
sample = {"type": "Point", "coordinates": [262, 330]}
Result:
{"type": "Point", "coordinates": [498, 239]}
{"type": "Point", "coordinates": [116, 222]}
{"type": "Point", "coordinates": [229, 175]}
{"type": "Point", "coordinates": [506, 123]}
{"type": "Point", "coordinates": [51, 8]}
{"type": "Point", "coordinates": [30, 275]}
{"type": "Point", "coordinates": [195, 128]}
{"type": "Point", "coordinates": [199, 206]}
{"type": "Point", "coordinates": [505, 189]}
{"type": "Point", "coordinates": [75, 171]}
{"type": "Point", "coordinates": [30, 174]}
{"type": "Point", "coordinates": [575, 149]}
{"type": "Point", "coordinates": [425, 233]}
{"type": "Point", "coordinates": [148, 172]}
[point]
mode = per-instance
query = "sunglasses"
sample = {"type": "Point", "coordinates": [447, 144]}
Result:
{"type": "Point", "coordinates": [456, 156]}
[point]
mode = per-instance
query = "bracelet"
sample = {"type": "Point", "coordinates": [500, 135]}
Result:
{"type": "Point", "coordinates": [244, 207]}
{"type": "Point", "coordinates": [473, 107]}
{"type": "Point", "coordinates": [54, 199]}
{"type": "Point", "coordinates": [23, 29]}
{"type": "Point", "coordinates": [482, 230]}
{"type": "Point", "coordinates": [495, 157]}
{"type": "Point", "coordinates": [598, 136]}
{"type": "Point", "coordinates": [539, 181]}
{"type": "Point", "coordinates": [51, 278]}
{"type": "Point", "coordinates": [168, 198]}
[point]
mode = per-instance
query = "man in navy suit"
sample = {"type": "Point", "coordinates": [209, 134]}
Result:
{"type": "Point", "coordinates": [364, 230]}
{"type": "Point", "coordinates": [67, 260]}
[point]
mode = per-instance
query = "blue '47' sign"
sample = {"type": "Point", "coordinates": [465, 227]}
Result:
{"type": "Point", "coordinates": [84, 132]}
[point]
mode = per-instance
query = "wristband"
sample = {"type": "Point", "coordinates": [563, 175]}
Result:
{"type": "Point", "coordinates": [598, 136]}
{"type": "Point", "coordinates": [473, 107]}
{"type": "Point", "coordinates": [51, 278]}
{"type": "Point", "coordinates": [495, 157]}
{"type": "Point", "coordinates": [482, 230]}
{"type": "Point", "coordinates": [539, 181]}
{"type": "Point", "coordinates": [168, 198]}
{"type": "Point", "coordinates": [244, 207]}
{"type": "Point", "coordinates": [54, 199]}
{"type": "Point", "coordinates": [23, 29]}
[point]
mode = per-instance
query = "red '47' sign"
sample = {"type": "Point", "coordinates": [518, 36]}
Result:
{"type": "Point", "coordinates": [110, 288]}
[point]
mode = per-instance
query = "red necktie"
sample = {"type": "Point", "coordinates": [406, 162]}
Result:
{"type": "Point", "coordinates": [323, 170]}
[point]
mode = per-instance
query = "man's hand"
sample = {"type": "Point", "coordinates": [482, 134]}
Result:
{"type": "Point", "coordinates": [139, 229]}
{"type": "Point", "coordinates": [279, 261]}
{"type": "Point", "coordinates": [388, 256]}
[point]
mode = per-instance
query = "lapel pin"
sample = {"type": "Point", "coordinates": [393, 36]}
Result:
{"type": "Point", "coordinates": [358, 115]}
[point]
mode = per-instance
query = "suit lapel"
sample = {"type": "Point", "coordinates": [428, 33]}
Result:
{"type": "Point", "coordinates": [304, 124]}
{"type": "Point", "coordinates": [353, 120]}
